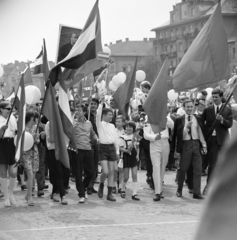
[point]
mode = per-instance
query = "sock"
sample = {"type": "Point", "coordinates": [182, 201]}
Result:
{"type": "Point", "coordinates": [12, 185]}
{"type": "Point", "coordinates": [5, 189]}
{"type": "Point", "coordinates": [134, 186]}
{"type": "Point", "coordinates": [123, 186]}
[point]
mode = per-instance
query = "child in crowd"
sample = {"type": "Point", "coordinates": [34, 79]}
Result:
{"type": "Point", "coordinates": [145, 87]}
{"type": "Point", "coordinates": [127, 147]}
{"type": "Point", "coordinates": [118, 177]}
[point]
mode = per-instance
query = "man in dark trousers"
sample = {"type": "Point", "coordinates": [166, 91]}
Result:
{"type": "Point", "coordinates": [217, 134]}
{"type": "Point", "coordinates": [189, 134]}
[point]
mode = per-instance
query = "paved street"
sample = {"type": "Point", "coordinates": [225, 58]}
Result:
{"type": "Point", "coordinates": [171, 218]}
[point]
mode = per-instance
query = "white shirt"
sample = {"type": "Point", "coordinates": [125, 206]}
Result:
{"type": "Point", "coordinates": [181, 111]}
{"type": "Point", "coordinates": [106, 131]}
{"type": "Point", "coordinates": [150, 135]}
{"type": "Point", "coordinates": [12, 126]}
{"type": "Point", "coordinates": [215, 108]}
{"type": "Point", "coordinates": [196, 131]}
{"type": "Point", "coordinates": [50, 145]}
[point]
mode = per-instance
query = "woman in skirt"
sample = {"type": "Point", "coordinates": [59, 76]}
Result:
{"type": "Point", "coordinates": [7, 152]}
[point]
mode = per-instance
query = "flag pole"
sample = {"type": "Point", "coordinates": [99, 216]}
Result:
{"type": "Point", "coordinates": [89, 113]}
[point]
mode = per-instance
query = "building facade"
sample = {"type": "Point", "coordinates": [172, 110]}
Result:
{"type": "Point", "coordinates": [186, 20]}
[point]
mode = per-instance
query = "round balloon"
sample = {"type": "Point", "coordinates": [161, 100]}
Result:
{"type": "Point", "coordinates": [172, 95]}
{"type": "Point", "coordinates": [1, 71]}
{"type": "Point", "coordinates": [112, 87]}
{"type": "Point", "coordinates": [140, 75]}
{"type": "Point", "coordinates": [107, 50]}
{"type": "Point", "coordinates": [209, 92]}
{"type": "Point", "coordinates": [116, 81]}
{"type": "Point", "coordinates": [33, 94]}
{"type": "Point", "coordinates": [28, 142]}
{"type": "Point", "coordinates": [122, 76]}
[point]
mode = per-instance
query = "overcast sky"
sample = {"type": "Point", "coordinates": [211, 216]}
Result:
{"type": "Point", "coordinates": [24, 23]}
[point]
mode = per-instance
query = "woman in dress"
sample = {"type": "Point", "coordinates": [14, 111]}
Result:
{"type": "Point", "coordinates": [30, 159]}
{"type": "Point", "coordinates": [7, 152]}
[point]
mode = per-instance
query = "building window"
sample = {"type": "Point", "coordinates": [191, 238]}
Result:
{"type": "Point", "coordinates": [180, 59]}
{"type": "Point", "coordinates": [183, 30]}
{"type": "Point", "coordinates": [171, 33]}
{"type": "Point", "coordinates": [171, 63]}
{"type": "Point", "coordinates": [181, 47]}
{"type": "Point", "coordinates": [233, 53]}
{"type": "Point", "coordinates": [161, 35]}
{"type": "Point", "coordinates": [193, 12]}
{"type": "Point", "coordinates": [173, 17]}
{"type": "Point", "coordinates": [166, 48]}
{"type": "Point", "coordinates": [167, 34]}
{"type": "Point", "coordinates": [177, 32]}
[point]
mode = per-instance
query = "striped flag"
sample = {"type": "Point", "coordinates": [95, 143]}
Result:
{"type": "Point", "coordinates": [27, 77]}
{"type": "Point", "coordinates": [85, 50]}
{"type": "Point", "coordinates": [20, 105]}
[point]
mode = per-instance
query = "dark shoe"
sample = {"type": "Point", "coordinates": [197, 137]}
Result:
{"type": "Point", "coordinates": [198, 196]}
{"type": "Point", "coordinates": [135, 197]}
{"type": "Point", "coordinates": [89, 191]}
{"type": "Point", "coordinates": [205, 191]}
{"type": "Point", "coordinates": [40, 193]}
{"type": "Point", "coordinates": [123, 194]}
{"type": "Point", "coordinates": [94, 191]}
{"type": "Point", "coordinates": [45, 186]}
{"type": "Point", "coordinates": [101, 190]}
{"type": "Point", "coordinates": [156, 198]}
{"type": "Point", "coordinates": [23, 187]}
{"type": "Point", "coordinates": [114, 190]}
{"type": "Point", "coordinates": [119, 190]}
{"type": "Point", "coordinates": [179, 194]}
{"type": "Point", "coordinates": [190, 191]}
{"type": "Point", "coordinates": [152, 186]}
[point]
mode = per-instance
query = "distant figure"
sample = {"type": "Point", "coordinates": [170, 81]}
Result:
{"type": "Point", "coordinates": [66, 48]}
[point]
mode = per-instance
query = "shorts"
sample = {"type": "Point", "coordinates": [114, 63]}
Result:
{"type": "Point", "coordinates": [107, 152]}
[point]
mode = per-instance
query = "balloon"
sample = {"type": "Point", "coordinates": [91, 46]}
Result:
{"type": "Point", "coordinates": [33, 94]}
{"type": "Point", "coordinates": [28, 142]}
{"type": "Point", "coordinates": [107, 50]}
{"type": "Point", "coordinates": [122, 76]}
{"type": "Point", "coordinates": [209, 91]}
{"type": "Point", "coordinates": [116, 81]}
{"type": "Point", "coordinates": [101, 85]}
{"type": "Point", "coordinates": [112, 87]}
{"type": "Point", "coordinates": [135, 103]}
{"type": "Point", "coordinates": [140, 75]}
{"type": "Point", "coordinates": [1, 71]}
{"type": "Point", "coordinates": [172, 95]}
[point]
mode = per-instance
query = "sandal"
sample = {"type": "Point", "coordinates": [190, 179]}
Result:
{"type": "Point", "coordinates": [12, 200]}
{"type": "Point", "coordinates": [64, 201]}
{"type": "Point", "coordinates": [54, 198]}
{"type": "Point", "coordinates": [23, 187]}
{"type": "Point", "coordinates": [123, 194]}
{"type": "Point", "coordinates": [135, 197]}
{"type": "Point", "coordinates": [31, 203]}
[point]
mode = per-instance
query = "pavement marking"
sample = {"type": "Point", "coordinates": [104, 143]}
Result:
{"type": "Point", "coordinates": [102, 225]}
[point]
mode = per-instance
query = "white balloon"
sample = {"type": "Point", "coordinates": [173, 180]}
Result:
{"type": "Point", "coordinates": [107, 50]}
{"type": "Point", "coordinates": [135, 103]}
{"type": "Point", "coordinates": [33, 94]}
{"type": "Point", "coordinates": [122, 76]}
{"type": "Point", "coordinates": [112, 87]}
{"type": "Point", "coordinates": [116, 81]}
{"type": "Point", "coordinates": [140, 75]}
{"type": "Point", "coordinates": [28, 142]}
{"type": "Point", "coordinates": [1, 71]}
{"type": "Point", "coordinates": [209, 92]}
{"type": "Point", "coordinates": [172, 95]}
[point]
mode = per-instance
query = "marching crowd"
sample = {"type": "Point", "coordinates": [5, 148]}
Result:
{"type": "Point", "coordinates": [194, 135]}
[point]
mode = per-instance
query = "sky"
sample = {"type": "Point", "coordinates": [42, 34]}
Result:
{"type": "Point", "coordinates": [24, 23]}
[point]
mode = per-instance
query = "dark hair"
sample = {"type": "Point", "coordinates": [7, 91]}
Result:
{"type": "Point", "coordinates": [145, 84]}
{"type": "Point", "coordinates": [140, 108]}
{"type": "Point", "coordinates": [105, 111]}
{"type": "Point", "coordinates": [187, 101]}
{"type": "Point", "coordinates": [217, 91]}
{"type": "Point", "coordinates": [83, 107]}
{"type": "Point", "coordinates": [175, 109]}
{"type": "Point", "coordinates": [204, 92]}
{"type": "Point", "coordinates": [121, 117]}
{"type": "Point", "coordinates": [130, 124]}
{"type": "Point", "coordinates": [73, 33]}
{"type": "Point", "coordinates": [96, 100]}
{"type": "Point", "coordinates": [31, 114]}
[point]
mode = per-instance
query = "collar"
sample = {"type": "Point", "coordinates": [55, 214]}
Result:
{"type": "Point", "coordinates": [218, 106]}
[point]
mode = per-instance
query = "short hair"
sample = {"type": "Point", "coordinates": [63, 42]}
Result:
{"type": "Point", "coordinates": [130, 124]}
{"type": "Point", "coordinates": [187, 101]}
{"type": "Point", "coordinates": [83, 107]}
{"type": "Point", "coordinates": [140, 108]}
{"type": "Point", "coordinates": [217, 91]}
{"type": "Point", "coordinates": [204, 92]}
{"type": "Point", "coordinates": [31, 114]}
{"type": "Point", "coordinates": [105, 111]}
{"type": "Point", "coordinates": [95, 100]}
{"type": "Point", "coordinates": [73, 33]}
{"type": "Point", "coordinates": [121, 117]}
{"type": "Point", "coordinates": [145, 84]}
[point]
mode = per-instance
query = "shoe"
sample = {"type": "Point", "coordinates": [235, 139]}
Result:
{"type": "Point", "coordinates": [205, 191]}
{"type": "Point", "coordinates": [120, 190]}
{"type": "Point", "coordinates": [86, 195]}
{"type": "Point", "coordinates": [82, 200]}
{"type": "Point", "coordinates": [94, 191]}
{"type": "Point", "coordinates": [30, 203]}
{"type": "Point", "coordinates": [123, 194]}
{"type": "Point", "coordinates": [152, 186]}
{"type": "Point", "coordinates": [156, 198]}
{"type": "Point", "coordinates": [101, 190]}
{"type": "Point", "coordinates": [54, 197]}
{"type": "Point", "coordinates": [135, 197]}
{"type": "Point", "coordinates": [198, 196]}
{"type": "Point", "coordinates": [45, 186]}
{"type": "Point", "coordinates": [64, 201]}
{"type": "Point", "coordinates": [23, 187]}
{"type": "Point", "coordinates": [40, 193]}
{"type": "Point", "coordinates": [179, 194]}
{"type": "Point", "coordinates": [190, 191]}
{"type": "Point", "coordinates": [114, 190]}
{"type": "Point", "coordinates": [89, 191]}
{"type": "Point", "coordinates": [111, 198]}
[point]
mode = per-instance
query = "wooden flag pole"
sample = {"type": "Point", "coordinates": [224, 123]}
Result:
{"type": "Point", "coordinates": [89, 112]}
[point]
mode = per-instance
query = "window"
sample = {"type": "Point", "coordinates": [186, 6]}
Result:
{"type": "Point", "coordinates": [181, 47]}
{"type": "Point", "coordinates": [171, 63]}
{"type": "Point", "coordinates": [166, 48]}
{"type": "Point", "coordinates": [192, 12]}
{"type": "Point", "coordinates": [167, 34]}
{"type": "Point", "coordinates": [161, 35]}
{"type": "Point", "coordinates": [171, 33]}
{"type": "Point", "coordinates": [233, 53]}
{"type": "Point", "coordinates": [177, 32]}
{"type": "Point", "coordinates": [173, 17]}
{"type": "Point", "coordinates": [183, 30]}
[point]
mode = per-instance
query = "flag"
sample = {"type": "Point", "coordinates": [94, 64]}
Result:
{"type": "Point", "coordinates": [41, 64]}
{"type": "Point", "coordinates": [206, 61]}
{"type": "Point", "coordinates": [124, 93]}
{"type": "Point", "coordinates": [27, 76]}
{"type": "Point", "coordinates": [155, 105]}
{"type": "Point", "coordinates": [51, 111]}
{"type": "Point", "coordinates": [220, 214]}
{"type": "Point", "coordinates": [86, 48]}
{"type": "Point", "coordinates": [20, 105]}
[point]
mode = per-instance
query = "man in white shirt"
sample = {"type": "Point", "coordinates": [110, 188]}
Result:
{"type": "Point", "coordinates": [159, 151]}
{"type": "Point", "coordinates": [109, 149]}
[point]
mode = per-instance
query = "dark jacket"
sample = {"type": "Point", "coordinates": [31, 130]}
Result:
{"type": "Point", "coordinates": [222, 131]}
{"type": "Point", "coordinates": [178, 132]}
